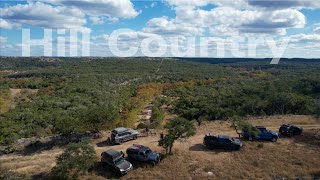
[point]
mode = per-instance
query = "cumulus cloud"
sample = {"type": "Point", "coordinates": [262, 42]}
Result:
{"type": "Point", "coordinates": [5, 24]}
{"type": "Point", "coordinates": [268, 4]}
{"type": "Point", "coordinates": [164, 26]}
{"type": "Point", "coordinates": [65, 14]}
{"type": "Point", "coordinates": [200, 3]}
{"type": "Point", "coordinates": [284, 4]}
{"type": "Point", "coordinates": [222, 21]}
{"type": "Point", "coordinates": [100, 8]}
{"type": "Point", "coordinates": [43, 15]}
{"type": "Point", "coordinates": [274, 22]}
{"type": "Point", "coordinates": [305, 38]}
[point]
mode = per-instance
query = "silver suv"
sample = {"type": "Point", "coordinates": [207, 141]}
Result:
{"type": "Point", "coordinates": [120, 135]}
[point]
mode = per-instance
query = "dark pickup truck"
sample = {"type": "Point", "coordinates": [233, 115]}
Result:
{"type": "Point", "coordinates": [116, 161]}
{"type": "Point", "coordinates": [290, 130]}
{"type": "Point", "coordinates": [221, 142]}
{"type": "Point", "coordinates": [143, 154]}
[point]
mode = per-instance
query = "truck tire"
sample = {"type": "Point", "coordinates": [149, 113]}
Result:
{"type": "Point", "coordinates": [152, 163]}
{"type": "Point", "coordinates": [274, 139]}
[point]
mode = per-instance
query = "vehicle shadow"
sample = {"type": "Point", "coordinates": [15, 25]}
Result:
{"type": "Point", "coordinates": [201, 147]}
{"type": "Point", "coordinates": [198, 147]}
{"type": "Point", "coordinates": [52, 142]}
{"type": "Point", "coordinates": [38, 146]}
{"type": "Point", "coordinates": [104, 143]}
{"type": "Point", "coordinates": [309, 137]}
{"type": "Point", "coordinates": [101, 170]}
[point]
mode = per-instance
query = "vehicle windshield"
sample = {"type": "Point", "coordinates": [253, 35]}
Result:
{"type": "Point", "coordinates": [148, 151]}
{"type": "Point", "coordinates": [113, 135]}
{"type": "Point", "coordinates": [119, 161]}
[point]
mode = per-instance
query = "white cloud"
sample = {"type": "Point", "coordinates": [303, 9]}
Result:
{"type": "Point", "coordinates": [65, 14]}
{"type": "Point", "coordinates": [284, 4]}
{"type": "Point", "coordinates": [44, 15]}
{"type": "Point", "coordinates": [118, 8]}
{"type": "Point", "coordinates": [305, 38]}
{"type": "Point", "coordinates": [96, 20]}
{"type": "Point", "coordinates": [273, 22]}
{"type": "Point", "coordinates": [223, 21]}
{"type": "Point", "coordinates": [240, 4]}
{"type": "Point", "coordinates": [5, 24]}
{"type": "Point", "coordinates": [103, 9]}
{"type": "Point", "coordinates": [164, 26]}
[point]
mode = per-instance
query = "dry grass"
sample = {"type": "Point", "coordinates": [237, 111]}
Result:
{"type": "Point", "coordinates": [288, 158]}
{"type": "Point", "coordinates": [31, 165]}
{"type": "Point", "coordinates": [278, 120]}
{"type": "Point", "coordinates": [284, 159]}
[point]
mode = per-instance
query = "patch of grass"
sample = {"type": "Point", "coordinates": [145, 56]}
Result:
{"type": "Point", "coordinates": [260, 145]}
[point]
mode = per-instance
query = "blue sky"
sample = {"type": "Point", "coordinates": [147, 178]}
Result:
{"type": "Point", "coordinates": [218, 20]}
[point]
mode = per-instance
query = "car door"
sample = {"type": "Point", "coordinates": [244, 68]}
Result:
{"type": "Point", "coordinates": [224, 143]}
{"type": "Point", "coordinates": [213, 142]}
{"type": "Point", "coordinates": [263, 134]}
{"type": "Point", "coordinates": [228, 143]}
{"type": "Point", "coordinates": [125, 136]}
{"type": "Point", "coordinates": [220, 142]}
{"type": "Point", "coordinates": [121, 136]}
{"type": "Point", "coordinates": [142, 156]}
{"type": "Point", "coordinates": [129, 136]}
{"type": "Point", "coordinates": [268, 135]}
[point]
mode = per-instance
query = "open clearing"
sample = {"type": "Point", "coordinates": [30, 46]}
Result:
{"type": "Point", "coordinates": [297, 157]}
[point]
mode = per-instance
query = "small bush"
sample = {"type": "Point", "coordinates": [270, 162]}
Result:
{"type": "Point", "coordinates": [260, 145]}
{"type": "Point", "coordinates": [75, 161]}
{"type": "Point", "coordinates": [9, 175]}
{"type": "Point", "coordinates": [142, 126]}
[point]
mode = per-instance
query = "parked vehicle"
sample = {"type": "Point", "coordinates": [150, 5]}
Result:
{"type": "Point", "coordinates": [290, 130]}
{"type": "Point", "coordinates": [120, 135]}
{"type": "Point", "coordinates": [143, 154]}
{"type": "Point", "coordinates": [221, 142]}
{"type": "Point", "coordinates": [116, 161]}
{"type": "Point", "coordinates": [264, 134]}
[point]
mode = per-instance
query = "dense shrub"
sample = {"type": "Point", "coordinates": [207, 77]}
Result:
{"type": "Point", "coordinates": [77, 159]}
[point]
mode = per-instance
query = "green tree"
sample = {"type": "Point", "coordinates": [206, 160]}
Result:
{"type": "Point", "coordinates": [179, 128]}
{"type": "Point", "coordinates": [64, 123]}
{"type": "Point", "coordinates": [99, 118]}
{"type": "Point", "coordinates": [157, 116]}
{"type": "Point", "coordinates": [239, 124]}
{"type": "Point", "coordinates": [77, 159]}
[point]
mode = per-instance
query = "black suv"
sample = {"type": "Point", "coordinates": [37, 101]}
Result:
{"type": "Point", "coordinates": [221, 142]}
{"type": "Point", "coordinates": [290, 130]}
{"type": "Point", "coordinates": [115, 160]}
{"type": "Point", "coordinates": [143, 154]}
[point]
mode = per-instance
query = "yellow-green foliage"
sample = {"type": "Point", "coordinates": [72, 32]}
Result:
{"type": "Point", "coordinates": [4, 101]}
{"type": "Point", "coordinates": [144, 94]}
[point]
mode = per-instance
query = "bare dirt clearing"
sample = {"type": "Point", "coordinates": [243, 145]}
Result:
{"type": "Point", "coordinates": [288, 158]}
